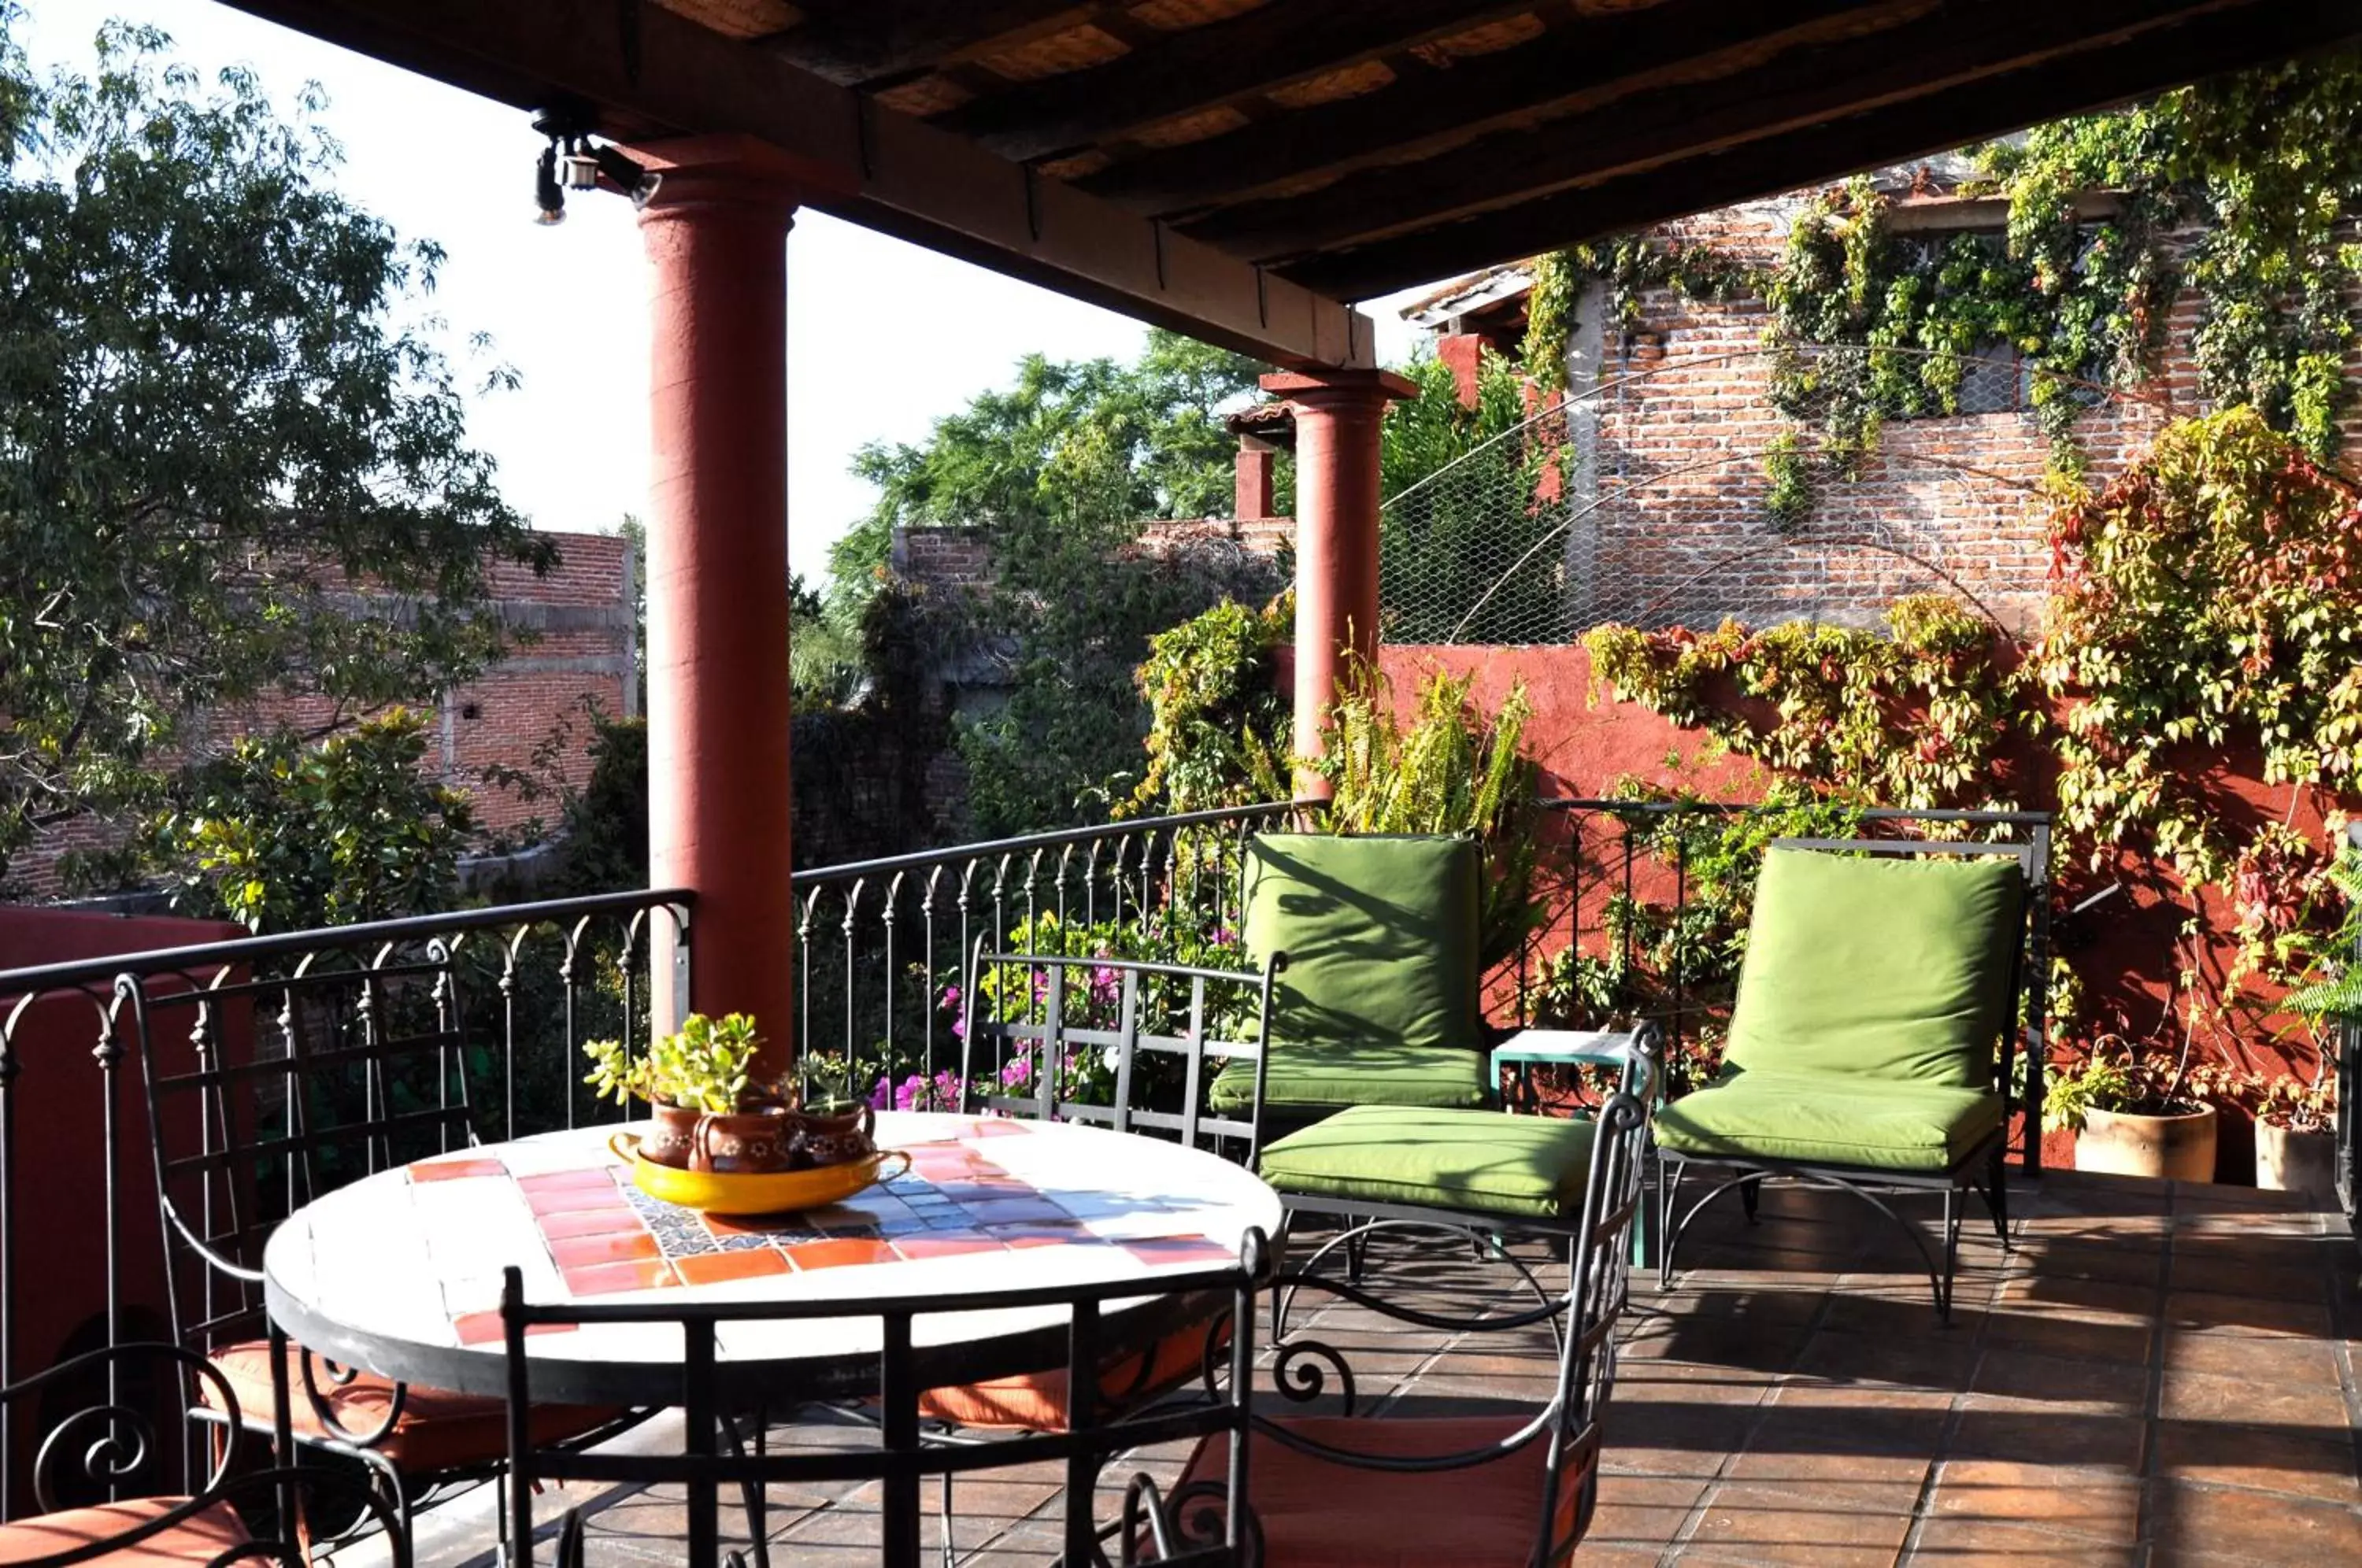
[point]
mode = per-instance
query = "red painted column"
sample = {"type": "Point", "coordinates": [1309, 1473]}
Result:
{"type": "Point", "coordinates": [719, 776]}
{"type": "Point", "coordinates": [1337, 418]}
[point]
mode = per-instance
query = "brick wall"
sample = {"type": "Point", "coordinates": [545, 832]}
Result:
{"type": "Point", "coordinates": [578, 642]}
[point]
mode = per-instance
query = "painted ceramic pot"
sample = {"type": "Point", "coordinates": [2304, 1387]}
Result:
{"type": "Point", "coordinates": [671, 1135]}
{"type": "Point", "coordinates": [756, 1140]}
{"type": "Point", "coordinates": [836, 1133]}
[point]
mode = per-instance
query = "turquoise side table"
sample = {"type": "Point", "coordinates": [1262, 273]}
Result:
{"type": "Point", "coordinates": [1582, 1047]}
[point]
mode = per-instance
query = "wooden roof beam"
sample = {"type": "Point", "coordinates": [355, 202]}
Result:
{"type": "Point", "coordinates": [1790, 91]}
{"type": "Point", "coordinates": [1200, 67]}
{"type": "Point", "coordinates": [860, 43]}
{"type": "Point", "coordinates": [1572, 60]}
{"type": "Point", "coordinates": [653, 74]}
{"type": "Point", "coordinates": [1914, 129]}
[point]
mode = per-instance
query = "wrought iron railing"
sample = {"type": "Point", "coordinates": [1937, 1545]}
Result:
{"type": "Point", "coordinates": [82, 1262]}
{"type": "Point", "coordinates": [880, 945]}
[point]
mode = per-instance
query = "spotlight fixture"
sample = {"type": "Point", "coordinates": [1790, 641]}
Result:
{"type": "Point", "coordinates": [572, 162]}
{"type": "Point", "coordinates": [629, 175]}
{"type": "Point", "coordinates": [549, 196]}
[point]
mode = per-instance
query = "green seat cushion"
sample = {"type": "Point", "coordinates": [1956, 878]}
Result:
{"type": "Point", "coordinates": [1380, 934]}
{"type": "Point", "coordinates": [1892, 968]}
{"type": "Point", "coordinates": [1484, 1160]}
{"type": "Point", "coordinates": [1830, 1119]}
{"type": "Point", "coordinates": [1326, 1077]}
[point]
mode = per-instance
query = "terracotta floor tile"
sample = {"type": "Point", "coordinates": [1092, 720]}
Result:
{"type": "Point", "coordinates": [2091, 1386]}
{"type": "Point", "coordinates": [2088, 1504]}
{"type": "Point", "coordinates": [2306, 1463]}
{"type": "Point", "coordinates": [2277, 1359]}
{"type": "Point", "coordinates": [1827, 1523]}
{"type": "Point", "coordinates": [1640, 1510]}
{"type": "Point", "coordinates": [2029, 1328]}
{"type": "Point", "coordinates": [1986, 1543]}
{"type": "Point", "coordinates": [2027, 1431]}
{"type": "Point", "coordinates": [2233, 1525]}
{"type": "Point", "coordinates": [2245, 1314]}
{"type": "Point", "coordinates": [2207, 1397]}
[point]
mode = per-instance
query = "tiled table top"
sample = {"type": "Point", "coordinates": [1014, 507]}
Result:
{"type": "Point", "coordinates": [402, 1271]}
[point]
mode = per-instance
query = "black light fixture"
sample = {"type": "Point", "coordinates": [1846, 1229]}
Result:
{"type": "Point", "coordinates": [573, 162]}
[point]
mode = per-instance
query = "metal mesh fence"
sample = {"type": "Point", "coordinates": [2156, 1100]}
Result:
{"type": "Point", "coordinates": [1724, 485]}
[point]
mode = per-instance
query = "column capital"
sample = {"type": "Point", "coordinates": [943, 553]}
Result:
{"type": "Point", "coordinates": [703, 174]}
{"type": "Point", "coordinates": [1339, 388]}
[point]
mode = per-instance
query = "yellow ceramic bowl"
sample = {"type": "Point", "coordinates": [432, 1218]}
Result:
{"type": "Point", "coordinates": [773, 1193]}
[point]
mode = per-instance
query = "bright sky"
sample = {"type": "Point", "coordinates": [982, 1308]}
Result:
{"type": "Point", "coordinates": [883, 337]}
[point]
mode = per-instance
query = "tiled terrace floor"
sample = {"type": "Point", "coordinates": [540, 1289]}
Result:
{"type": "Point", "coordinates": [2156, 1375]}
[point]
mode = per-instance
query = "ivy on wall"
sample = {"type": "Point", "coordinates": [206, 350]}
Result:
{"type": "Point", "coordinates": [2241, 189]}
{"type": "Point", "coordinates": [1912, 716]}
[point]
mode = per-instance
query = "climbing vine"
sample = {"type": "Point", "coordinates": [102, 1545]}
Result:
{"type": "Point", "coordinates": [1915, 716]}
{"type": "Point", "coordinates": [2210, 597]}
{"type": "Point", "coordinates": [2241, 191]}
{"type": "Point", "coordinates": [1216, 724]}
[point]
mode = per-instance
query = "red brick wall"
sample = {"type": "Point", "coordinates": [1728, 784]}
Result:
{"type": "Point", "coordinates": [578, 641]}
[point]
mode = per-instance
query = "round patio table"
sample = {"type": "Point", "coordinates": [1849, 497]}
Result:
{"type": "Point", "coordinates": [400, 1272]}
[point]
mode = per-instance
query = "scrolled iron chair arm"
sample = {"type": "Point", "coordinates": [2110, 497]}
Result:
{"type": "Point", "coordinates": [324, 1412]}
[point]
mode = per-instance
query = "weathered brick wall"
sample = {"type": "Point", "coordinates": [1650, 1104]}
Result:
{"type": "Point", "coordinates": [1679, 428]}
{"type": "Point", "coordinates": [578, 643]}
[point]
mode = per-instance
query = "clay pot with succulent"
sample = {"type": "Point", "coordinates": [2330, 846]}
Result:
{"type": "Point", "coordinates": [709, 1109]}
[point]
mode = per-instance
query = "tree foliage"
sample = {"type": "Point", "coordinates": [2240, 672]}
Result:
{"type": "Point", "coordinates": [1056, 473]}
{"type": "Point", "coordinates": [213, 435]}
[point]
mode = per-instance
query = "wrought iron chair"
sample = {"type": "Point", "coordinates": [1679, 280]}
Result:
{"type": "Point", "coordinates": [111, 1446]}
{"type": "Point", "coordinates": [1118, 1044]}
{"type": "Point", "coordinates": [1496, 1491]}
{"type": "Point", "coordinates": [1872, 1048]}
{"type": "Point", "coordinates": [904, 1457]}
{"type": "Point", "coordinates": [370, 1074]}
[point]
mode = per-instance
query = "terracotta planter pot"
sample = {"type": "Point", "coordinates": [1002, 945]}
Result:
{"type": "Point", "coordinates": [2124, 1142]}
{"type": "Point", "coordinates": [2297, 1162]}
{"type": "Point", "coordinates": [836, 1133]}
{"type": "Point", "coordinates": [759, 1140]}
{"type": "Point", "coordinates": [672, 1135]}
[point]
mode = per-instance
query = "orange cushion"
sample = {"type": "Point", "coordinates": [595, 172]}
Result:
{"type": "Point", "coordinates": [438, 1429]}
{"type": "Point", "coordinates": [1316, 1513]}
{"type": "Point", "coordinates": [1037, 1402]}
{"type": "Point", "coordinates": [199, 1539]}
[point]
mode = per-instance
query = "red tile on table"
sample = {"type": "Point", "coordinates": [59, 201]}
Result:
{"type": "Point", "coordinates": [587, 1251]}
{"type": "Point", "coordinates": [1164, 1251]}
{"type": "Point", "coordinates": [999, 1127]}
{"type": "Point", "coordinates": [455, 1170]}
{"type": "Point", "coordinates": [610, 1279]}
{"type": "Point", "coordinates": [1070, 1234]}
{"type": "Point", "coordinates": [590, 1222]}
{"type": "Point", "coordinates": [1015, 1212]}
{"type": "Point", "coordinates": [838, 1253]}
{"type": "Point", "coordinates": [484, 1328]}
{"type": "Point", "coordinates": [716, 1268]}
{"type": "Point", "coordinates": [576, 1200]}
{"type": "Point", "coordinates": [945, 1243]}
{"type": "Point", "coordinates": [600, 1180]}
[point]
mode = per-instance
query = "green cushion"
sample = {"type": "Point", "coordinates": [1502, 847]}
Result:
{"type": "Point", "coordinates": [1486, 1160]}
{"type": "Point", "coordinates": [1888, 967]}
{"type": "Point", "coordinates": [1326, 1077]}
{"type": "Point", "coordinates": [1830, 1119]}
{"type": "Point", "coordinates": [1380, 934]}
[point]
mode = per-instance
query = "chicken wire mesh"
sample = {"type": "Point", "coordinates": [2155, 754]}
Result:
{"type": "Point", "coordinates": [1724, 485]}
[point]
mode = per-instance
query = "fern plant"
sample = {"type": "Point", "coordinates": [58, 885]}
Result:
{"type": "Point", "coordinates": [1451, 768]}
{"type": "Point", "coordinates": [2337, 997]}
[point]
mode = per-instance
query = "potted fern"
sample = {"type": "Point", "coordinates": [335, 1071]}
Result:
{"type": "Point", "coordinates": [2296, 1141]}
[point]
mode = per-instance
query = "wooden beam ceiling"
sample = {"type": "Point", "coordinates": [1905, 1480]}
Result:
{"type": "Point", "coordinates": [1799, 80]}
{"type": "Point", "coordinates": [1445, 103]}
{"type": "Point", "coordinates": [1899, 133]}
{"type": "Point", "coordinates": [653, 74]}
{"type": "Point", "coordinates": [1233, 167]}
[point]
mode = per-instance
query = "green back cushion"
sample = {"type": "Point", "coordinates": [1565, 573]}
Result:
{"type": "Point", "coordinates": [1884, 966]}
{"type": "Point", "coordinates": [1380, 935]}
